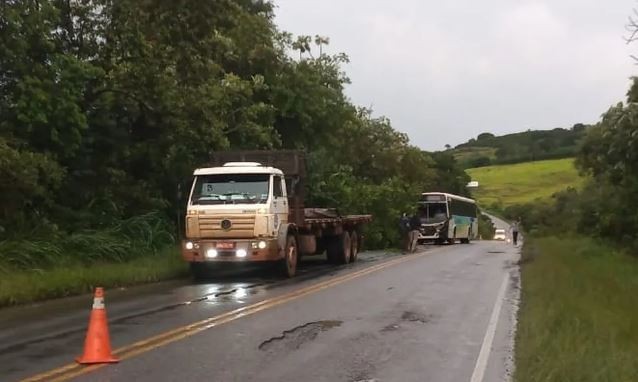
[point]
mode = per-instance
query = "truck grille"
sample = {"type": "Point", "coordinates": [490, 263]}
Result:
{"type": "Point", "coordinates": [240, 226]}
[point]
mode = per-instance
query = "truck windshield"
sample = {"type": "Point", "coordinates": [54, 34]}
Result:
{"type": "Point", "coordinates": [230, 189]}
{"type": "Point", "coordinates": [433, 212]}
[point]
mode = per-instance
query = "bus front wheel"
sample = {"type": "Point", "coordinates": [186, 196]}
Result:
{"type": "Point", "coordinates": [453, 239]}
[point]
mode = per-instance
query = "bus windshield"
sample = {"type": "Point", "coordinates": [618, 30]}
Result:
{"type": "Point", "coordinates": [230, 189]}
{"type": "Point", "coordinates": [433, 212]}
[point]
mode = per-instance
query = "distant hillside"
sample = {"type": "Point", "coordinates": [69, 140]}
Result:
{"type": "Point", "coordinates": [505, 185]}
{"type": "Point", "coordinates": [531, 145]}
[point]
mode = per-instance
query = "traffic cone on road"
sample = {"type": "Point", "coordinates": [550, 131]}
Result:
{"type": "Point", "coordinates": [97, 345]}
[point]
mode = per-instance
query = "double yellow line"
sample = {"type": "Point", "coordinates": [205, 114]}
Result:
{"type": "Point", "coordinates": [73, 370]}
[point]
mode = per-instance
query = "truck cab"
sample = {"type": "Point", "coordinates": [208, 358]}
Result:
{"type": "Point", "coordinates": [234, 213]}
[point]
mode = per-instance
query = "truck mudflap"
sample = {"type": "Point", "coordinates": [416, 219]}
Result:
{"type": "Point", "coordinates": [237, 251]}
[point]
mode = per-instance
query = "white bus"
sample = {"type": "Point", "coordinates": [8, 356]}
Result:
{"type": "Point", "coordinates": [447, 218]}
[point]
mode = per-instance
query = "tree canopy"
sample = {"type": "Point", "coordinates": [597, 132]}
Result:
{"type": "Point", "coordinates": [108, 105]}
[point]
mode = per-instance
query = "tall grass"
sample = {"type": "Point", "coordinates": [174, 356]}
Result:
{"type": "Point", "coordinates": [28, 286]}
{"type": "Point", "coordinates": [138, 250]}
{"type": "Point", "coordinates": [129, 239]}
{"type": "Point", "coordinates": [579, 314]}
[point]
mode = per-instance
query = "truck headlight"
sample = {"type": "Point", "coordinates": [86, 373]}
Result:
{"type": "Point", "coordinates": [258, 244]}
{"type": "Point", "coordinates": [189, 245]}
{"type": "Point", "coordinates": [211, 253]}
{"type": "Point", "coordinates": [241, 253]}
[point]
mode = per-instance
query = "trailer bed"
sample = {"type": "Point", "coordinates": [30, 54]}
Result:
{"type": "Point", "coordinates": [327, 217]}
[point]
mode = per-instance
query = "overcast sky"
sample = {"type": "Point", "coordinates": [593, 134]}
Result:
{"type": "Point", "coordinates": [445, 71]}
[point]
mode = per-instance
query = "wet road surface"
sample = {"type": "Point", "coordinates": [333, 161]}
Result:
{"type": "Point", "coordinates": [421, 317]}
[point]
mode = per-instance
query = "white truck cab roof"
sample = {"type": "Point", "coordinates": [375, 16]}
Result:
{"type": "Point", "coordinates": [238, 168]}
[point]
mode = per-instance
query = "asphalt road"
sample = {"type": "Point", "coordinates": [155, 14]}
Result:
{"type": "Point", "coordinates": [444, 314]}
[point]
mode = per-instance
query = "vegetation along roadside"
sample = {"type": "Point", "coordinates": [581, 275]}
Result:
{"type": "Point", "coordinates": [101, 125]}
{"type": "Point", "coordinates": [579, 313]}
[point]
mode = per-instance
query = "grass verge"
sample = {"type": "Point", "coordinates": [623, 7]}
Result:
{"type": "Point", "coordinates": [579, 313]}
{"type": "Point", "coordinates": [26, 286]}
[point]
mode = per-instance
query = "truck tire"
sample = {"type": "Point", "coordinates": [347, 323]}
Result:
{"type": "Point", "coordinates": [339, 248]}
{"type": "Point", "coordinates": [200, 271]}
{"type": "Point", "coordinates": [291, 257]}
{"type": "Point", "coordinates": [354, 247]}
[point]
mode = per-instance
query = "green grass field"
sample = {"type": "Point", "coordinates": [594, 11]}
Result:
{"type": "Point", "coordinates": [578, 319]}
{"type": "Point", "coordinates": [505, 185]}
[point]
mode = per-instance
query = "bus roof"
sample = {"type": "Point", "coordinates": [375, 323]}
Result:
{"type": "Point", "coordinates": [451, 196]}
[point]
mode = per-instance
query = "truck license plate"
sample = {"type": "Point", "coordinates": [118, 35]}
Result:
{"type": "Point", "coordinates": [225, 245]}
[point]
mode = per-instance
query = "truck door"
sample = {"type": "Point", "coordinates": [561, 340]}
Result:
{"type": "Point", "coordinates": [279, 202]}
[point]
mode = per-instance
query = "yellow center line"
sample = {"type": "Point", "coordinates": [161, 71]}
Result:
{"type": "Point", "coordinates": [72, 370]}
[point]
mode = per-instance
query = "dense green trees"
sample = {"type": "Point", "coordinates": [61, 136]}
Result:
{"type": "Point", "coordinates": [531, 145]}
{"type": "Point", "coordinates": [606, 206]}
{"type": "Point", "coordinates": [108, 105]}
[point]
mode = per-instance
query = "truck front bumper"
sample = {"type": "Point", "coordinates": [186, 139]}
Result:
{"type": "Point", "coordinates": [208, 250]}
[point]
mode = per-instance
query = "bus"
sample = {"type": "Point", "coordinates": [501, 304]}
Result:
{"type": "Point", "coordinates": [446, 218]}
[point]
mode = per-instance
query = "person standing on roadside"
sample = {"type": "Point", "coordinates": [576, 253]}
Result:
{"type": "Point", "coordinates": [515, 228]}
{"type": "Point", "coordinates": [415, 226]}
{"type": "Point", "coordinates": [404, 229]}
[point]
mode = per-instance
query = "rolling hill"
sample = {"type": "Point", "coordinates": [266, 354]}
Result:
{"type": "Point", "coordinates": [501, 186]}
{"type": "Point", "coordinates": [532, 145]}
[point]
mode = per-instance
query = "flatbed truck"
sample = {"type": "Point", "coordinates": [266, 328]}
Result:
{"type": "Point", "coordinates": [248, 207]}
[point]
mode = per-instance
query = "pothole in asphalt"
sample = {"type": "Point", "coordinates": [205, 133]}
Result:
{"type": "Point", "coordinates": [415, 317]}
{"type": "Point", "coordinates": [495, 251]}
{"type": "Point", "coordinates": [390, 328]}
{"type": "Point", "coordinates": [408, 316]}
{"type": "Point", "coordinates": [297, 336]}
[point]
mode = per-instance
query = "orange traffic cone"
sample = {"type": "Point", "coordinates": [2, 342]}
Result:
{"type": "Point", "coordinates": [97, 345]}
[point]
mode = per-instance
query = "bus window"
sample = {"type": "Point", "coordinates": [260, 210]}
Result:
{"type": "Point", "coordinates": [433, 212]}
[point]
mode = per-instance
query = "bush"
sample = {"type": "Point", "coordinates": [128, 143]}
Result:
{"type": "Point", "coordinates": [486, 227]}
{"type": "Point", "coordinates": [140, 236]}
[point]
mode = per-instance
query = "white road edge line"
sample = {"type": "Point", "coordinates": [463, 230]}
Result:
{"type": "Point", "coordinates": [486, 347]}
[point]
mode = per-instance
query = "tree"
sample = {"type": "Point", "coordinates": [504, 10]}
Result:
{"type": "Point", "coordinates": [483, 136]}
{"type": "Point", "coordinates": [578, 127]}
{"type": "Point", "coordinates": [609, 155]}
{"type": "Point", "coordinates": [108, 105]}
{"type": "Point", "coordinates": [302, 44]}
{"type": "Point", "coordinates": [320, 41]}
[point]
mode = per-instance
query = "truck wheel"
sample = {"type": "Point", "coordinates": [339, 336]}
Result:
{"type": "Point", "coordinates": [354, 248]}
{"type": "Point", "coordinates": [200, 271]}
{"type": "Point", "coordinates": [340, 248]}
{"type": "Point", "coordinates": [289, 262]}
